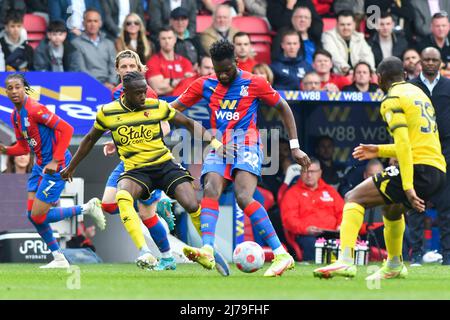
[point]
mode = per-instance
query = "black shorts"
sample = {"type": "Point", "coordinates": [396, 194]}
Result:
{"type": "Point", "coordinates": [165, 176]}
{"type": "Point", "coordinates": [428, 180]}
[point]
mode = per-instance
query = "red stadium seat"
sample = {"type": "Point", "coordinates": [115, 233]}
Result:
{"type": "Point", "coordinates": [34, 24]}
{"type": "Point", "coordinates": [252, 25]}
{"type": "Point", "coordinates": [329, 23]}
{"type": "Point", "coordinates": [36, 27]}
{"type": "Point", "coordinates": [203, 23]}
{"type": "Point", "coordinates": [262, 52]}
{"type": "Point", "coordinates": [264, 38]}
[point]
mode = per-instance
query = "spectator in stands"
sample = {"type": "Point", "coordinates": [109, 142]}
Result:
{"type": "Point", "coordinates": [323, 65]}
{"type": "Point", "coordinates": [301, 22]}
{"type": "Point", "coordinates": [279, 13]}
{"type": "Point", "coordinates": [97, 51]}
{"type": "Point", "coordinates": [410, 59]}
{"type": "Point", "coordinates": [402, 12]}
{"type": "Point", "coordinates": [220, 29]}
{"type": "Point", "coordinates": [56, 53]}
{"type": "Point", "coordinates": [237, 6]}
{"type": "Point", "coordinates": [159, 13]}
{"type": "Point", "coordinates": [311, 82]}
{"type": "Point", "coordinates": [348, 46]}
{"type": "Point", "coordinates": [332, 171]}
{"type": "Point", "coordinates": [290, 67]}
{"type": "Point", "coordinates": [115, 13]}
{"type": "Point", "coordinates": [423, 11]}
{"type": "Point", "coordinates": [361, 79]}
{"type": "Point", "coordinates": [354, 6]}
{"type": "Point", "coordinates": [72, 12]}
{"type": "Point", "coordinates": [385, 42]}
{"type": "Point", "coordinates": [205, 68]}
{"type": "Point", "coordinates": [439, 38]}
{"type": "Point", "coordinates": [18, 54]}
{"type": "Point", "coordinates": [310, 207]}
{"type": "Point", "coordinates": [263, 70]}
{"type": "Point", "coordinates": [256, 8]}
{"type": "Point", "coordinates": [7, 6]}
{"type": "Point", "coordinates": [243, 51]}
{"type": "Point", "coordinates": [19, 164]}
{"type": "Point", "coordinates": [188, 45]}
{"type": "Point", "coordinates": [132, 36]}
{"type": "Point", "coordinates": [166, 69]}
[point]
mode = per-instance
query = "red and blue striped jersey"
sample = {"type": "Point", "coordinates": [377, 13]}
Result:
{"type": "Point", "coordinates": [35, 124]}
{"type": "Point", "coordinates": [233, 107]}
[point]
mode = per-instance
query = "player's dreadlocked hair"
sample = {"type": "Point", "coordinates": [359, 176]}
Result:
{"type": "Point", "coordinates": [132, 76]}
{"type": "Point", "coordinates": [21, 77]}
{"type": "Point", "coordinates": [221, 50]}
{"type": "Point", "coordinates": [133, 55]}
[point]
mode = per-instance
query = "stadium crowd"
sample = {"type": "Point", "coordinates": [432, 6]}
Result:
{"type": "Point", "coordinates": [310, 45]}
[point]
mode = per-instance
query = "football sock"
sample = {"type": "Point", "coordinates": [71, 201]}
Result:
{"type": "Point", "coordinates": [352, 220]}
{"type": "Point", "coordinates": [393, 236]}
{"type": "Point", "coordinates": [195, 218]}
{"type": "Point", "coordinates": [208, 219]}
{"type": "Point", "coordinates": [58, 214]}
{"type": "Point", "coordinates": [158, 233]}
{"type": "Point", "coordinates": [111, 208]}
{"type": "Point", "coordinates": [260, 220]}
{"type": "Point", "coordinates": [130, 218]}
{"type": "Point", "coordinates": [44, 229]}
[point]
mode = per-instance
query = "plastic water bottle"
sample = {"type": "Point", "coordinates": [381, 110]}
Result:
{"type": "Point", "coordinates": [361, 253]}
{"type": "Point", "coordinates": [319, 245]}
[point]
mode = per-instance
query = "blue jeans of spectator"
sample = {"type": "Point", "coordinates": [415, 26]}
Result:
{"type": "Point", "coordinates": [307, 244]}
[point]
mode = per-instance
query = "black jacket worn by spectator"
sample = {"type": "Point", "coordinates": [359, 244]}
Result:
{"type": "Point", "coordinates": [429, 41]}
{"type": "Point", "coordinates": [18, 57]}
{"type": "Point", "coordinates": [159, 13]}
{"type": "Point", "coordinates": [111, 15]}
{"type": "Point", "coordinates": [402, 15]}
{"type": "Point", "coordinates": [399, 45]}
{"type": "Point", "coordinates": [190, 48]}
{"type": "Point", "coordinates": [372, 87]}
{"type": "Point", "coordinates": [44, 60]}
{"type": "Point", "coordinates": [279, 16]}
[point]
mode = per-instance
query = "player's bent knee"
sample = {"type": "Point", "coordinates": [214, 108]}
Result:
{"type": "Point", "coordinates": [211, 192]}
{"type": "Point", "coordinates": [36, 219]}
{"type": "Point", "coordinates": [123, 195]}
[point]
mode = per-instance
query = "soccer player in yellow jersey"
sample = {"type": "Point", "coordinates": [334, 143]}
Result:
{"type": "Point", "coordinates": [134, 122]}
{"type": "Point", "coordinates": [410, 118]}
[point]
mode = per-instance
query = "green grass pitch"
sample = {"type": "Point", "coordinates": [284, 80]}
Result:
{"type": "Point", "coordinates": [189, 281]}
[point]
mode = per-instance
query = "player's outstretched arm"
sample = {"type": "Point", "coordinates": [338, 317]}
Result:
{"type": "Point", "coordinates": [289, 122]}
{"type": "Point", "coordinates": [198, 130]}
{"type": "Point", "coordinates": [85, 147]}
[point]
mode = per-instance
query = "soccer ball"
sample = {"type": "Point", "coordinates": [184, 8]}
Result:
{"type": "Point", "coordinates": [248, 256]}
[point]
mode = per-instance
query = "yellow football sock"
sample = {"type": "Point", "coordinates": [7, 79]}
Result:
{"type": "Point", "coordinates": [393, 236]}
{"type": "Point", "coordinates": [352, 220]}
{"type": "Point", "coordinates": [130, 218]}
{"type": "Point", "coordinates": [195, 218]}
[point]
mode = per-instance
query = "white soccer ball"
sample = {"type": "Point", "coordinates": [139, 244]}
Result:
{"type": "Point", "coordinates": [248, 256]}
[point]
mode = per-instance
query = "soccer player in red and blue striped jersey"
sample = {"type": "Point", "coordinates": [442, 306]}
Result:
{"type": "Point", "coordinates": [233, 97]}
{"type": "Point", "coordinates": [48, 136]}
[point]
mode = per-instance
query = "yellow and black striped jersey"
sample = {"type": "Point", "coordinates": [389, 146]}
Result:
{"type": "Point", "coordinates": [137, 134]}
{"type": "Point", "coordinates": [407, 106]}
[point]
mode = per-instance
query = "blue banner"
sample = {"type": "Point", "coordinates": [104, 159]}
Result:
{"type": "Point", "coordinates": [73, 96]}
{"type": "Point", "coordinates": [323, 96]}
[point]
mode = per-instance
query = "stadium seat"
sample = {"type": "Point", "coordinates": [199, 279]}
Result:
{"type": "Point", "coordinates": [264, 38]}
{"type": "Point", "coordinates": [252, 25]}
{"type": "Point", "coordinates": [262, 52]}
{"type": "Point", "coordinates": [36, 27]}
{"type": "Point", "coordinates": [329, 23]}
{"type": "Point", "coordinates": [203, 22]}
{"type": "Point", "coordinates": [34, 24]}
